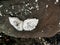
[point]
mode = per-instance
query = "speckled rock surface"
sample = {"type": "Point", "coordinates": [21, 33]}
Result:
{"type": "Point", "coordinates": [47, 11]}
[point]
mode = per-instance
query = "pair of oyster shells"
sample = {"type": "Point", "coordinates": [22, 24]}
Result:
{"type": "Point", "coordinates": [26, 25]}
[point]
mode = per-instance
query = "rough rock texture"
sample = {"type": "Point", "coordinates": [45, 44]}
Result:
{"type": "Point", "coordinates": [49, 17]}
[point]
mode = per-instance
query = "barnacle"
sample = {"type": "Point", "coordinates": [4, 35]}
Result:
{"type": "Point", "coordinates": [16, 23]}
{"type": "Point", "coordinates": [30, 24]}
{"type": "Point", "coordinates": [27, 25]}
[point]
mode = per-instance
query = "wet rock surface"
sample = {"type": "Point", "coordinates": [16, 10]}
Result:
{"type": "Point", "coordinates": [7, 40]}
{"type": "Point", "coordinates": [47, 12]}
